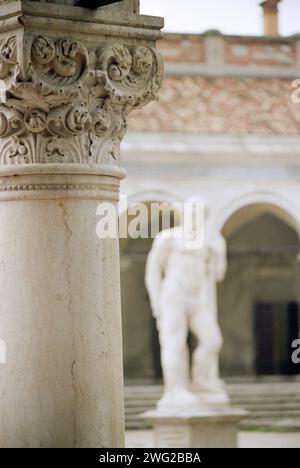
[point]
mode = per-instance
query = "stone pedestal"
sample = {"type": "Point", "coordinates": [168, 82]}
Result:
{"type": "Point", "coordinates": [195, 429]}
{"type": "Point", "coordinates": [66, 88]}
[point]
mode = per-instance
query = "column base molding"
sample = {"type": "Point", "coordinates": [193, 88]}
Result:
{"type": "Point", "coordinates": [60, 181]}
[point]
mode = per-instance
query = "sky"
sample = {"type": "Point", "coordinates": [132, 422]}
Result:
{"type": "Point", "coordinates": [197, 16]}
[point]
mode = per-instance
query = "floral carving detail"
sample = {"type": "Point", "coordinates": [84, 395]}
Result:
{"type": "Point", "coordinates": [68, 121]}
{"type": "Point", "coordinates": [138, 79]}
{"type": "Point", "coordinates": [8, 56]}
{"type": "Point", "coordinates": [142, 60]}
{"type": "Point", "coordinates": [15, 151]}
{"type": "Point", "coordinates": [66, 104]}
{"type": "Point", "coordinates": [43, 50]}
{"type": "Point", "coordinates": [11, 122]}
{"type": "Point", "coordinates": [116, 60]}
{"type": "Point", "coordinates": [111, 153]}
{"type": "Point", "coordinates": [62, 62]}
{"type": "Point", "coordinates": [100, 122]}
{"type": "Point", "coordinates": [35, 120]}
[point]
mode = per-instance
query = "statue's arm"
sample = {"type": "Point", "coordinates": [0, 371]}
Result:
{"type": "Point", "coordinates": [155, 270]}
{"type": "Point", "coordinates": [220, 258]}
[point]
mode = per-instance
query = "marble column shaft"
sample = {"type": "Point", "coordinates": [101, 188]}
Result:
{"type": "Point", "coordinates": [68, 80]}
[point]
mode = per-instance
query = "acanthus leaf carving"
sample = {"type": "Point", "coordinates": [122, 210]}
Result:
{"type": "Point", "coordinates": [69, 121]}
{"type": "Point", "coordinates": [8, 56]}
{"type": "Point", "coordinates": [71, 103]}
{"type": "Point", "coordinates": [15, 150]}
{"type": "Point", "coordinates": [61, 62]}
{"type": "Point", "coordinates": [116, 61]}
{"type": "Point", "coordinates": [35, 120]}
{"type": "Point", "coordinates": [129, 83]}
{"type": "Point", "coordinates": [11, 122]}
{"type": "Point", "coordinates": [100, 122]}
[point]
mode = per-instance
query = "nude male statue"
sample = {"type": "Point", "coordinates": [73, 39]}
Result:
{"type": "Point", "coordinates": [182, 288]}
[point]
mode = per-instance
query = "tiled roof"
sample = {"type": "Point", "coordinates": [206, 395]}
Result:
{"type": "Point", "coordinates": [221, 105]}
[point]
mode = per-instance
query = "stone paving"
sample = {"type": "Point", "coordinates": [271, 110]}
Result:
{"type": "Point", "coordinates": [143, 439]}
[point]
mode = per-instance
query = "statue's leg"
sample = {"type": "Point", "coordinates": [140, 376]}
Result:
{"type": "Point", "coordinates": [205, 360]}
{"type": "Point", "coordinates": [173, 331]}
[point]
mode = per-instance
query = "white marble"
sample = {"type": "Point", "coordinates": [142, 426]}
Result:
{"type": "Point", "coordinates": [65, 96]}
{"type": "Point", "coordinates": [193, 429]}
{"type": "Point", "coordinates": [182, 288]}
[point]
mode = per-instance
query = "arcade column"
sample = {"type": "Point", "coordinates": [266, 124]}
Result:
{"type": "Point", "coordinates": [69, 77]}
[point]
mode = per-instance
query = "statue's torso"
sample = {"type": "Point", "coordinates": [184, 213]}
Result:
{"type": "Point", "coordinates": [185, 269]}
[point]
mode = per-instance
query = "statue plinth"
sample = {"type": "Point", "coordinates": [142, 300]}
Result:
{"type": "Point", "coordinates": [191, 428]}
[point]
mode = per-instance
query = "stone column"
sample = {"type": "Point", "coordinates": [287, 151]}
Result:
{"type": "Point", "coordinates": [66, 88]}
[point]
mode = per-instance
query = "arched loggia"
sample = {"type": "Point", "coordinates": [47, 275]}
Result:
{"type": "Point", "coordinates": [258, 300]}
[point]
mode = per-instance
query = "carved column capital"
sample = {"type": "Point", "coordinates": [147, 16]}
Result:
{"type": "Point", "coordinates": [61, 102]}
{"type": "Point", "coordinates": [66, 99]}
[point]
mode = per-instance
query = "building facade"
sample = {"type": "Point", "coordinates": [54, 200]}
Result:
{"type": "Point", "coordinates": [227, 129]}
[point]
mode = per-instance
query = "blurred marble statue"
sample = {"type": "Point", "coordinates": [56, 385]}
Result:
{"type": "Point", "coordinates": [181, 283]}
